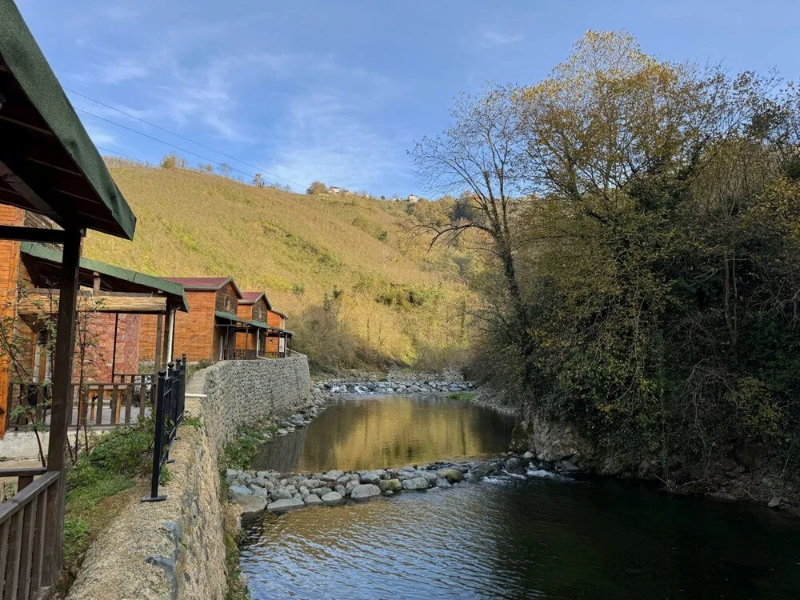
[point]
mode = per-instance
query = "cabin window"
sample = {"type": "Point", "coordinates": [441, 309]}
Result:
{"type": "Point", "coordinates": [226, 301]}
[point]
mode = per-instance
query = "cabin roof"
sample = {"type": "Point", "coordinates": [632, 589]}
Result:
{"type": "Point", "coordinates": [260, 324]}
{"type": "Point", "coordinates": [253, 297]}
{"type": "Point", "coordinates": [48, 262]}
{"type": "Point", "coordinates": [48, 164]}
{"type": "Point", "coordinates": [205, 284]}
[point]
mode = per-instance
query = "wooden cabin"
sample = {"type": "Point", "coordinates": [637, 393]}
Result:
{"type": "Point", "coordinates": [48, 166]}
{"type": "Point", "coordinates": [111, 302]}
{"type": "Point", "coordinates": [208, 331]}
{"type": "Point", "coordinates": [261, 331]}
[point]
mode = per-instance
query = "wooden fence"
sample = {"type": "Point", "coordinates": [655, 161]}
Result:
{"type": "Point", "coordinates": [95, 404]}
{"type": "Point", "coordinates": [27, 522]}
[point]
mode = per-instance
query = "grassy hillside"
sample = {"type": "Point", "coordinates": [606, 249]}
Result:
{"type": "Point", "coordinates": [386, 295]}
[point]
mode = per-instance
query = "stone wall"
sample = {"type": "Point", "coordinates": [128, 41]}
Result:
{"type": "Point", "coordinates": [240, 392]}
{"type": "Point", "coordinates": [175, 549]}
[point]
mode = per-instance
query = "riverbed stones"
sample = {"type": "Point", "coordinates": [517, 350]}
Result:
{"type": "Point", "coordinates": [371, 476]}
{"type": "Point", "coordinates": [340, 489]}
{"type": "Point", "coordinates": [513, 464]}
{"type": "Point", "coordinates": [451, 475]}
{"type": "Point", "coordinates": [365, 490]}
{"type": "Point", "coordinates": [251, 504]}
{"type": "Point", "coordinates": [332, 498]}
{"type": "Point", "coordinates": [416, 483]}
{"type": "Point", "coordinates": [443, 483]}
{"type": "Point", "coordinates": [390, 485]}
{"type": "Point", "coordinates": [281, 494]}
{"type": "Point", "coordinates": [332, 475]}
{"type": "Point", "coordinates": [240, 490]}
{"type": "Point", "coordinates": [313, 500]}
{"type": "Point", "coordinates": [285, 504]}
{"type": "Point", "coordinates": [774, 502]}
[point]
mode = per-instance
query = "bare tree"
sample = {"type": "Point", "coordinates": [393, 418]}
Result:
{"type": "Point", "coordinates": [480, 153]}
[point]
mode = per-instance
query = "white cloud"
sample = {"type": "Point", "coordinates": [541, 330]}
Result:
{"type": "Point", "coordinates": [491, 38]}
{"type": "Point", "coordinates": [100, 136]}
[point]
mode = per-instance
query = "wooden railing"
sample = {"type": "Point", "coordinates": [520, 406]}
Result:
{"type": "Point", "coordinates": [96, 404]}
{"type": "Point", "coordinates": [242, 354]}
{"type": "Point", "coordinates": [27, 528]}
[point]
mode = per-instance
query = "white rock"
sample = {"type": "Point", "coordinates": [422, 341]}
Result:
{"type": "Point", "coordinates": [416, 483]}
{"type": "Point", "coordinates": [284, 505]}
{"type": "Point", "coordinates": [332, 498]}
{"type": "Point", "coordinates": [364, 491]}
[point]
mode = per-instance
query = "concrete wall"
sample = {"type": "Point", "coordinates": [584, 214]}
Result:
{"type": "Point", "coordinates": [176, 549]}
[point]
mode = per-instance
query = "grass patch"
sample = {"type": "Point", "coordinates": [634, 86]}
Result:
{"type": "Point", "coordinates": [465, 396]}
{"type": "Point", "coordinates": [239, 452]}
{"type": "Point", "coordinates": [96, 490]}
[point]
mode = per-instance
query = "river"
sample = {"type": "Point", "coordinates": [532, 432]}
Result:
{"type": "Point", "coordinates": [538, 536]}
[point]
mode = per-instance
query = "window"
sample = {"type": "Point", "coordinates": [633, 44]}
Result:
{"type": "Point", "coordinates": [226, 302]}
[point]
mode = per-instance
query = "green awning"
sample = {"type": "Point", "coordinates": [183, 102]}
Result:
{"type": "Point", "coordinates": [259, 324]}
{"type": "Point", "coordinates": [125, 279]}
{"type": "Point", "coordinates": [43, 143]}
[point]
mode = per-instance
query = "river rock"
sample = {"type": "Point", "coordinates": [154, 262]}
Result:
{"type": "Point", "coordinates": [774, 502]}
{"type": "Point", "coordinates": [443, 483]}
{"type": "Point", "coordinates": [451, 475]}
{"type": "Point", "coordinates": [260, 492]}
{"type": "Point", "coordinates": [371, 476]}
{"type": "Point", "coordinates": [390, 485]}
{"type": "Point", "coordinates": [416, 483]}
{"type": "Point", "coordinates": [332, 498]}
{"type": "Point", "coordinates": [513, 464]}
{"type": "Point", "coordinates": [251, 504]}
{"type": "Point", "coordinates": [528, 456]}
{"type": "Point", "coordinates": [568, 467]}
{"type": "Point", "coordinates": [240, 490]}
{"type": "Point", "coordinates": [286, 504]}
{"type": "Point", "coordinates": [364, 491]}
{"type": "Point", "coordinates": [332, 475]}
{"type": "Point", "coordinates": [281, 494]}
{"type": "Point", "coordinates": [313, 500]}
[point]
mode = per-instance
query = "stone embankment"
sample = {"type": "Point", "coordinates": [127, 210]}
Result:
{"type": "Point", "coordinates": [256, 491]}
{"type": "Point", "coordinates": [389, 386]}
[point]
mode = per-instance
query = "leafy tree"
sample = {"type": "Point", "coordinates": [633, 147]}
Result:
{"type": "Point", "coordinates": [317, 187]}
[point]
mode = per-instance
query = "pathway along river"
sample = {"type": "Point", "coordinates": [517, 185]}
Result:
{"type": "Point", "coordinates": [509, 537]}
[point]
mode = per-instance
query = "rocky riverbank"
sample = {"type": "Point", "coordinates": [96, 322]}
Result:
{"type": "Point", "coordinates": [256, 491]}
{"type": "Point", "coordinates": [390, 386]}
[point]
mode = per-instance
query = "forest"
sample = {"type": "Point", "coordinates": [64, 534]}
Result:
{"type": "Point", "coordinates": [639, 225]}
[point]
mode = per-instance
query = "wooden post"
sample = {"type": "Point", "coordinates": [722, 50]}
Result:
{"type": "Point", "coordinates": [157, 358]}
{"type": "Point", "coordinates": [62, 388]}
{"type": "Point", "coordinates": [165, 342]}
{"type": "Point", "coordinates": [170, 335]}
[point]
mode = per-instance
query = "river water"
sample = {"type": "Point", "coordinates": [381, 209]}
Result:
{"type": "Point", "coordinates": [538, 536]}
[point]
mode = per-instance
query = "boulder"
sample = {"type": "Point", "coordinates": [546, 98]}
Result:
{"type": "Point", "coordinates": [513, 464]}
{"type": "Point", "coordinates": [568, 467]}
{"type": "Point", "coordinates": [251, 504]}
{"type": "Point", "coordinates": [442, 483]}
{"type": "Point", "coordinates": [364, 491]}
{"type": "Point", "coordinates": [390, 485]}
{"type": "Point", "coordinates": [239, 490]}
{"type": "Point", "coordinates": [774, 502]}
{"type": "Point", "coordinates": [451, 475]}
{"type": "Point", "coordinates": [332, 498]}
{"type": "Point", "coordinates": [371, 476]}
{"type": "Point", "coordinates": [313, 500]}
{"type": "Point", "coordinates": [332, 475]}
{"type": "Point", "coordinates": [284, 505]}
{"type": "Point", "coordinates": [281, 494]}
{"type": "Point", "coordinates": [416, 483]}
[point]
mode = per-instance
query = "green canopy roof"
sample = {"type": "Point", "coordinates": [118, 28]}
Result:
{"type": "Point", "coordinates": [48, 164]}
{"type": "Point", "coordinates": [260, 324]}
{"type": "Point", "coordinates": [124, 279]}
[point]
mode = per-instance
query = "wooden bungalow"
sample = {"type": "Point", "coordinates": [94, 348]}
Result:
{"type": "Point", "coordinates": [261, 331]}
{"type": "Point", "coordinates": [208, 332]}
{"type": "Point", "coordinates": [111, 303]}
{"type": "Point", "coordinates": [48, 166]}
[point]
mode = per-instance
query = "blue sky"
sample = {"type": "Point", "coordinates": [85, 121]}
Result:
{"type": "Point", "coordinates": [339, 91]}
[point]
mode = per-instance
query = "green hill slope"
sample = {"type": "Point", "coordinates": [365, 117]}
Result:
{"type": "Point", "coordinates": [387, 297]}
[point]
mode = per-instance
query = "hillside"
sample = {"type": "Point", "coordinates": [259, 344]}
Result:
{"type": "Point", "coordinates": [387, 297]}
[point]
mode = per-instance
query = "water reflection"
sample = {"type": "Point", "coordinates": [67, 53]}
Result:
{"type": "Point", "coordinates": [525, 539]}
{"type": "Point", "coordinates": [369, 433]}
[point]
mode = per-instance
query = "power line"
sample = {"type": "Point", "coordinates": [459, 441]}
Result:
{"type": "Point", "coordinates": [91, 114]}
{"type": "Point", "coordinates": [178, 135]}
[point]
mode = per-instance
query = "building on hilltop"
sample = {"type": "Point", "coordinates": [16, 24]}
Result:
{"type": "Point", "coordinates": [412, 199]}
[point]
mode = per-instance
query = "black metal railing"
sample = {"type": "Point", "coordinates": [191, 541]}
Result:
{"type": "Point", "coordinates": [170, 402]}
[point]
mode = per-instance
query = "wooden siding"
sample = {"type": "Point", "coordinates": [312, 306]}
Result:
{"type": "Point", "coordinates": [9, 273]}
{"type": "Point", "coordinates": [195, 333]}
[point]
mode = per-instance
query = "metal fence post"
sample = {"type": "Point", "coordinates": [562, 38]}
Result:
{"type": "Point", "coordinates": [158, 441]}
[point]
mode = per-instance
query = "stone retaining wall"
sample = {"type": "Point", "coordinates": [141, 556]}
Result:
{"type": "Point", "coordinates": [176, 549]}
{"type": "Point", "coordinates": [239, 392]}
